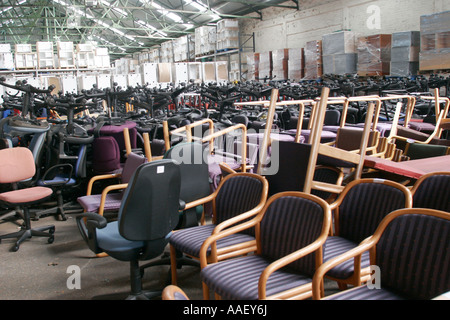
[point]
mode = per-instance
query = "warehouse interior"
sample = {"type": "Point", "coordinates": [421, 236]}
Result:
{"type": "Point", "coordinates": [135, 154]}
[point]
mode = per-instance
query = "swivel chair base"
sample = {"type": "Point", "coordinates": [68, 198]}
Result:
{"type": "Point", "coordinates": [182, 260]}
{"type": "Point", "coordinates": [27, 233]}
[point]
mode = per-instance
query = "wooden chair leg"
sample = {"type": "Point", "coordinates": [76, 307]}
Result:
{"type": "Point", "coordinates": [173, 265]}
{"type": "Point", "coordinates": [205, 291]}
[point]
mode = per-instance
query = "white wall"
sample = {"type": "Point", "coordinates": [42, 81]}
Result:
{"type": "Point", "coordinates": [290, 28]}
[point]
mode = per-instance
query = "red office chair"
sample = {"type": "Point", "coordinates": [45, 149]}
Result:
{"type": "Point", "coordinates": [17, 164]}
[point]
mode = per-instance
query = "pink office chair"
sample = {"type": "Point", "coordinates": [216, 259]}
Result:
{"type": "Point", "coordinates": [17, 164]}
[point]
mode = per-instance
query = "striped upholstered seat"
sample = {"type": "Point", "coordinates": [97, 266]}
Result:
{"type": "Point", "coordinates": [358, 211]}
{"type": "Point", "coordinates": [292, 229]}
{"type": "Point", "coordinates": [411, 248]}
{"type": "Point", "coordinates": [190, 241]}
{"type": "Point", "coordinates": [239, 196]}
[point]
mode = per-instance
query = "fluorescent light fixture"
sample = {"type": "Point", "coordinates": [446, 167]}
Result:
{"type": "Point", "coordinates": [146, 25]}
{"type": "Point", "coordinates": [85, 14]}
{"type": "Point", "coordinates": [106, 3]}
{"type": "Point", "coordinates": [188, 25]}
{"type": "Point", "coordinates": [110, 43]}
{"type": "Point", "coordinates": [199, 6]}
{"type": "Point", "coordinates": [163, 11]}
{"type": "Point", "coordinates": [9, 8]}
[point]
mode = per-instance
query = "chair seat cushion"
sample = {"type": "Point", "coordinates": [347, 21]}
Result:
{"type": "Point", "coordinates": [110, 241]}
{"type": "Point", "coordinates": [325, 136]}
{"type": "Point", "coordinates": [25, 196]}
{"type": "Point", "coordinates": [365, 293]}
{"type": "Point", "coordinates": [92, 203]}
{"type": "Point", "coordinates": [335, 246]}
{"type": "Point", "coordinates": [241, 282]}
{"type": "Point", "coordinates": [190, 240]}
{"type": "Point", "coordinates": [422, 126]}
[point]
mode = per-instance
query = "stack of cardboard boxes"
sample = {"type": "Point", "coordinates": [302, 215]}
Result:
{"type": "Point", "coordinates": [227, 34]}
{"type": "Point", "coordinates": [280, 59]}
{"type": "Point", "coordinates": [374, 55]}
{"type": "Point", "coordinates": [296, 64]}
{"type": "Point", "coordinates": [435, 41]}
{"type": "Point", "coordinates": [405, 53]}
{"type": "Point", "coordinates": [339, 52]}
{"type": "Point", "coordinates": [313, 60]}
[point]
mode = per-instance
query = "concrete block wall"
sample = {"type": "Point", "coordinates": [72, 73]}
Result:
{"type": "Point", "coordinates": [290, 28]}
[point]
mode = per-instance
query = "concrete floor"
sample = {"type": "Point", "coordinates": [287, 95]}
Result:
{"type": "Point", "coordinates": [40, 271]}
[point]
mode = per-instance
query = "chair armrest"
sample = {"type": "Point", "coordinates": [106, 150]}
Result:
{"type": "Point", "coordinates": [87, 224]}
{"type": "Point", "coordinates": [100, 177]}
{"type": "Point", "coordinates": [226, 168]}
{"type": "Point", "coordinates": [198, 202]}
{"type": "Point", "coordinates": [239, 218]}
{"type": "Point", "coordinates": [319, 275]}
{"type": "Point", "coordinates": [211, 240]}
{"type": "Point", "coordinates": [106, 191]}
{"type": "Point", "coordinates": [57, 167]}
{"type": "Point", "coordinates": [93, 218]}
{"type": "Point", "coordinates": [284, 261]}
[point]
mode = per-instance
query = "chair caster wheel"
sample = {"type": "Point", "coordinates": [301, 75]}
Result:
{"type": "Point", "coordinates": [51, 239]}
{"type": "Point", "coordinates": [15, 248]}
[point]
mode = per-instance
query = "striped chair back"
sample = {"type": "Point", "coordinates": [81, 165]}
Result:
{"type": "Point", "coordinates": [238, 194]}
{"type": "Point", "coordinates": [289, 224]}
{"type": "Point", "coordinates": [432, 191]}
{"type": "Point", "coordinates": [365, 204]}
{"type": "Point", "coordinates": [413, 255]}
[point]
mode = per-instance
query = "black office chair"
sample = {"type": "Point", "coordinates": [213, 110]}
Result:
{"type": "Point", "coordinates": [60, 178]}
{"type": "Point", "coordinates": [195, 185]}
{"type": "Point", "coordinates": [195, 182]}
{"type": "Point", "coordinates": [148, 213]}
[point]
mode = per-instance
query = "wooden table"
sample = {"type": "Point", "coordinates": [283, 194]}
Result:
{"type": "Point", "coordinates": [412, 168]}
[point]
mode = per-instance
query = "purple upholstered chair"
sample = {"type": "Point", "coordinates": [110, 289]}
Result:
{"type": "Point", "coordinates": [110, 201]}
{"type": "Point", "coordinates": [239, 197]}
{"type": "Point", "coordinates": [290, 233]}
{"type": "Point", "coordinates": [357, 212]}
{"type": "Point", "coordinates": [109, 146]}
{"type": "Point", "coordinates": [411, 248]}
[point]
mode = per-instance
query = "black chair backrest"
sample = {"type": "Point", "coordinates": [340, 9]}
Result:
{"type": "Point", "coordinates": [292, 166]}
{"type": "Point", "coordinates": [191, 158]}
{"type": "Point", "coordinates": [289, 224]}
{"type": "Point", "coordinates": [149, 209]}
{"type": "Point", "coordinates": [332, 117]}
{"type": "Point", "coordinates": [364, 206]}
{"type": "Point", "coordinates": [433, 193]}
{"type": "Point", "coordinates": [413, 255]}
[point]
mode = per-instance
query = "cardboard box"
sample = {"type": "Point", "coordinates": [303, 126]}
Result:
{"type": "Point", "coordinates": [404, 69]}
{"type": "Point", "coordinates": [296, 64]}
{"type": "Point", "coordinates": [406, 39]}
{"type": "Point", "coordinates": [339, 43]}
{"type": "Point", "coordinates": [164, 72]}
{"type": "Point", "coordinates": [340, 63]}
{"type": "Point", "coordinates": [404, 54]}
